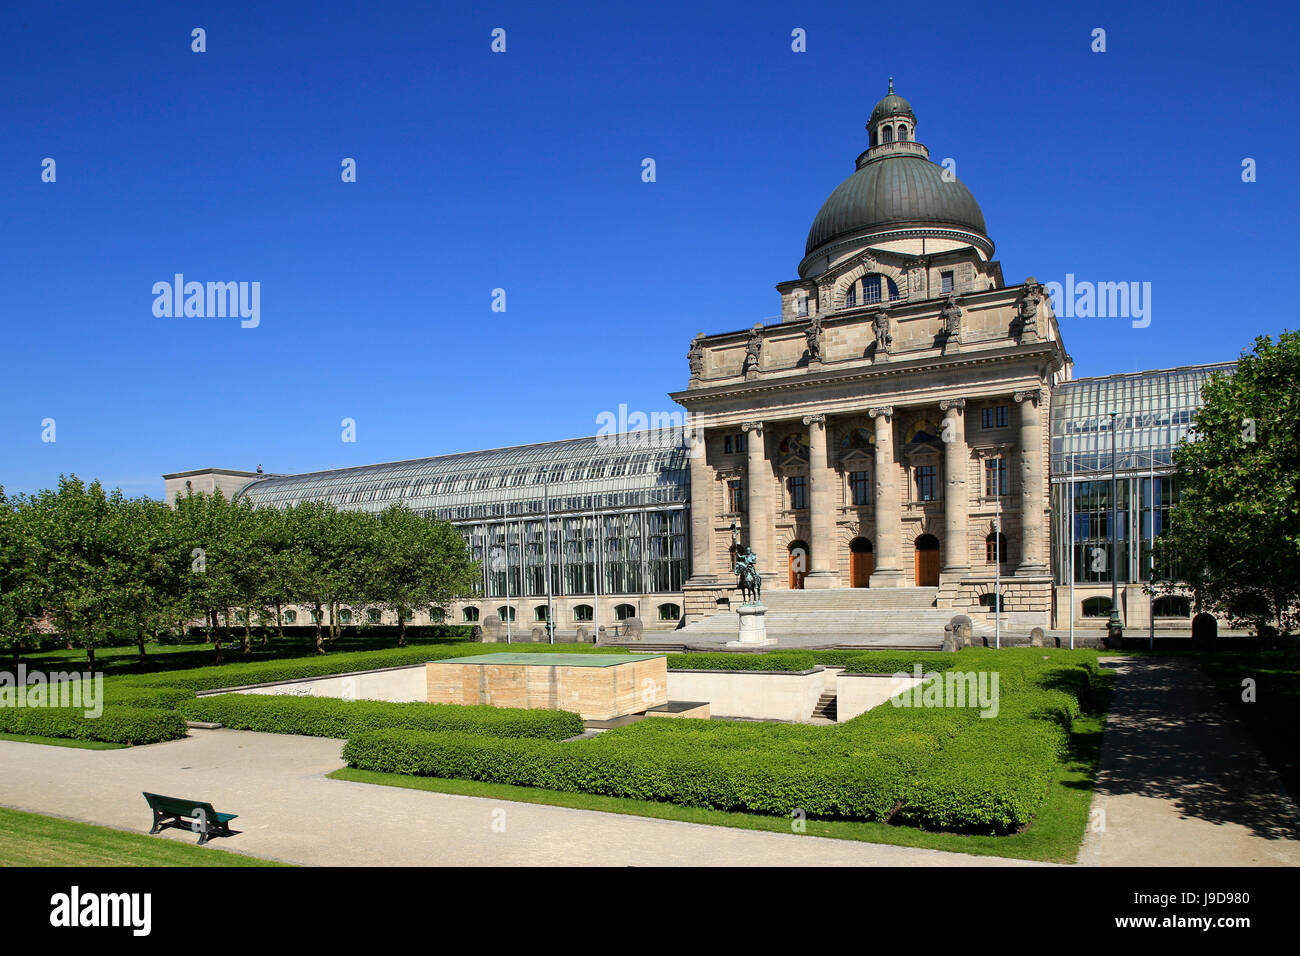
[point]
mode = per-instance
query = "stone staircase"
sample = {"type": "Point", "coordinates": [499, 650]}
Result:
{"type": "Point", "coordinates": [877, 617]}
{"type": "Point", "coordinates": [826, 708]}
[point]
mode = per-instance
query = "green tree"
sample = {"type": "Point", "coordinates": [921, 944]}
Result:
{"type": "Point", "coordinates": [72, 535]}
{"type": "Point", "coordinates": [1234, 534]}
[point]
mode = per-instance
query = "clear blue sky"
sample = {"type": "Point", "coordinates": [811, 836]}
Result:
{"type": "Point", "coordinates": [522, 171]}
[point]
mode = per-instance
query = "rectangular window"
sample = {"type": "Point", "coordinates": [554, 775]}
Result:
{"type": "Point", "coordinates": [945, 282]}
{"type": "Point", "coordinates": [726, 445]}
{"type": "Point", "coordinates": [798, 485]}
{"type": "Point", "coordinates": [859, 488]}
{"type": "Point", "coordinates": [735, 496]}
{"type": "Point", "coordinates": [995, 477]}
{"type": "Point", "coordinates": [925, 483]}
{"type": "Point", "coordinates": [995, 417]}
{"type": "Point", "coordinates": [740, 443]}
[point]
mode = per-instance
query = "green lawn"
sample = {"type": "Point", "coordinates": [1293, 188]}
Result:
{"type": "Point", "coordinates": [29, 839]}
{"type": "Point", "coordinates": [63, 742]}
{"type": "Point", "coordinates": [1055, 835]}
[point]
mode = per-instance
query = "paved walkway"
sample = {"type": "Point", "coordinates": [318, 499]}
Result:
{"type": "Point", "coordinates": [289, 811]}
{"type": "Point", "coordinates": [1182, 782]}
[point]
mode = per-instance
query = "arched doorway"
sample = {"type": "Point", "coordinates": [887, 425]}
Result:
{"type": "Point", "coordinates": [927, 561]}
{"type": "Point", "coordinates": [862, 561]}
{"type": "Point", "coordinates": [798, 564]}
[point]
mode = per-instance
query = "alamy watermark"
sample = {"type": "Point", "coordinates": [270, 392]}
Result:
{"type": "Point", "coordinates": [645, 431]}
{"type": "Point", "coordinates": [212, 300]}
{"type": "Point", "coordinates": [1101, 300]}
{"type": "Point", "coordinates": [976, 689]}
{"type": "Point", "coordinates": [37, 689]}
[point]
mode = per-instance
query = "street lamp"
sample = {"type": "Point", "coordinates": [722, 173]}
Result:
{"type": "Point", "coordinates": [1114, 626]}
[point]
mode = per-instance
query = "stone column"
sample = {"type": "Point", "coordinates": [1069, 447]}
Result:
{"type": "Point", "coordinates": [1031, 483]}
{"type": "Point", "coordinates": [758, 511]}
{"type": "Point", "coordinates": [702, 511]}
{"type": "Point", "coordinates": [888, 573]}
{"type": "Point", "coordinates": [956, 501]}
{"type": "Point", "coordinates": [821, 505]}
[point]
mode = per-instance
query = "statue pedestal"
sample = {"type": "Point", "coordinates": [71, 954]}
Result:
{"type": "Point", "coordinates": [753, 626]}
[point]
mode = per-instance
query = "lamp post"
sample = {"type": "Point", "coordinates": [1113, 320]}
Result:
{"type": "Point", "coordinates": [1114, 626]}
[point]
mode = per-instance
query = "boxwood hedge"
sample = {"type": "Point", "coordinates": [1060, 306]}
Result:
{"type": "Point", "coordinates": [757, 780]}
{"type": "Point", "coordinates": [331, 717]}
{"type": "Point", "coordinates": [117, 724]}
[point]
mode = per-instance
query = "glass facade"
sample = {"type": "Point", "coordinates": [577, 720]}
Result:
{"type": "Point", "coordinates": [1105, 534]}
{"type": "Point", "coordinates": [617, 509]}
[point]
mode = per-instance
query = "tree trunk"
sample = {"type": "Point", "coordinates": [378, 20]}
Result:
{"type": "Point", "coordinates": [401, 628]}
{"type": "Point", "coordinates": [139, 640]}
{"type": "Point", "coordinates": [319, 634]}
{"type": "Point", "coordinates": [248, 634]}
{"type": "Point", "coordinates": [334, 621]}
{"type": "Point", "coordinates": [208, 622]}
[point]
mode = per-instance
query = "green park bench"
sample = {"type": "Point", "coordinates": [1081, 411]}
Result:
{"type": "Point", "coordinates": [173, 812]}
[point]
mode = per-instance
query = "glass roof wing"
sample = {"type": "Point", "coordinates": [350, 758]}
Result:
{"type": "Point", "coordinates": [503, 481]}
{"type": "Point", "coordinates": [1155, 410]}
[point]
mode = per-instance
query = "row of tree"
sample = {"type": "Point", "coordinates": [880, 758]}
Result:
{"type": "Point", "coordinates": [94, 565]}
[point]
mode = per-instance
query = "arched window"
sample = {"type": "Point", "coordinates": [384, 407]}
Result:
{"type": "Point", "coordinates": [437, 615]}
{"type": "Point", "coordinates": [623, 611]}
{"type": "Point", "coordinates": [506, 613]}
{"type": "Point", "coordinates": [1172, 605]}
{"type": "Point", "coordinates": [995, 548]}
{"type": "Point", "coordinates": [902, 132]}
{"type": "Point", "coordinates": [470, 614]}
{"type": "Point", "coordinates": [345, 615]}
{"type": "Point", "coordinates": [871, 290]}
{"type": "Point", "coordinates": [290, 617]}
{"type": "Point", "coordinates": [888, 134]}
{"type": "Point", "coordinates": [1096, 607]}
{"type": "Point", "coordinates": [374, 615]}
{"type": "Point", "coordinates": [669, 612]}
{"type": "Point", "coordinates": [539, 613]}
{"type": "Point", "coordinates": [583, 612]}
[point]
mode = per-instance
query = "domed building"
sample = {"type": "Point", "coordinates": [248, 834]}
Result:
{"type": "Point", "coordinates": [890, 432]}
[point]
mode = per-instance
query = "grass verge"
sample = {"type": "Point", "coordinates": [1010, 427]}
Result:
{"type": "Point", "coordinates": [64, 742]}
{"type": "Point", "coordinates": [31, 839]}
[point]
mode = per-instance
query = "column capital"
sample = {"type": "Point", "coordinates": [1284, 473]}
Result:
{"type": "Point", "coordinates": [953, 403]}
{"type": "Point", "coordinates": [815, 420]}
{"type": "Point", "coordinates": [886, 410]}
{"type": "Point", "coordinates": [752, 427]}
{"type": "Point", "coordinates": [1029, 394]}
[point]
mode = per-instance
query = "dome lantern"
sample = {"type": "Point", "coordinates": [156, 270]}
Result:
{"type": "Point", "coordinates": [892, 120]}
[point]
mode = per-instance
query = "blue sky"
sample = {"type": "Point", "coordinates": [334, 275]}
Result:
{"type": "Point", "coordinates": [522, 171]}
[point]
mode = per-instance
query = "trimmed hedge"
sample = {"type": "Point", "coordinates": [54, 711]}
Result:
{"type": "Point", "coordinates": [991, 779]}
{"type": "Point", "coordinates": [260, 672]}
{"type": "Point", "coordinates": [774, 661]}
{"type": "Point", "coordinates": [331, 717]}
{"type": "Point", "coordinates": [162, 698]}
{"type": "Point", "coordinates": [758, 781]}
{"type": "Point", "coordinates": [117, 724]}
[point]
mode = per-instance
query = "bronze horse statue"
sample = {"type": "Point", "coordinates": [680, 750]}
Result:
{"type": "Point", "coordinates": [748, 580]}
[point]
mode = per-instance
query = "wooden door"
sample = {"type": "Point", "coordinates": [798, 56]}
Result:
{"type": "Point", "coordinates": [862, 561]}
{"type": "Point", "coordinates": [798, 564]}
{"type": "Point", "coordinates": [927, 561]}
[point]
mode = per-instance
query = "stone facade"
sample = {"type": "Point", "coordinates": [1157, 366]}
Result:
{"type": "Point", "coordinates": [859, 441]}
